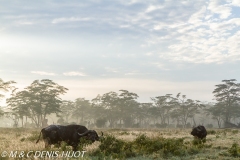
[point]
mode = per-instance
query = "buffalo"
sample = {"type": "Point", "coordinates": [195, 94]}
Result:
{"type": "Point", "coordinates": [199, 132]}
{"type": "Point", "coordinates": [55, 134]}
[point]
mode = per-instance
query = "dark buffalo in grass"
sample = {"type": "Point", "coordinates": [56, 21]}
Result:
{"type": "Point", "coordinates": [71, 134]}
{"type": "Point", "coordinates": [199, 132]}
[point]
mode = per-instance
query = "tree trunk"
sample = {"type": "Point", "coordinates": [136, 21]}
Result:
{"type": "Point", "coordinates": [194, 122]}
{"type": "Point", "coordinates": [219, 122]}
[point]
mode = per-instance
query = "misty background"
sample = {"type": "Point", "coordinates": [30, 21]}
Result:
{"type": "Point", "coordinates": [95, 47]}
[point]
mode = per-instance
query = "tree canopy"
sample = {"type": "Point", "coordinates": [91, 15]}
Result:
{"type": "Point", "coordinates": [227, 96]}
{"type": "Point", "coordinates": [38, 100]}
{"type": "Point", "coordinates": [119, 109]}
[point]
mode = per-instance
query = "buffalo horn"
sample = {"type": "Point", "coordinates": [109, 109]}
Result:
{"type": "Point", "coordinates": [198, 129]}
{"type": "Point", "coordinates": [83, 134]}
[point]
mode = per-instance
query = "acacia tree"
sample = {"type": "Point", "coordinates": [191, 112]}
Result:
{"type": "Point", "coordinates": [185, 108]}
{"type": "Point", "coordinates": [109, 103]}
{"type": "Point", "coordinates": [98, 111]}
{"type": "Point", "coordinates": [143, 113]}
{"type": "Point", "coordinates": [113, 107]}
{"type": "Point", "coordinates": [227, 96]}
{"type": "Point", "coordinates": [39, 99]}
{"type": "Point", "coordinates": [216, 113]}
{"type": "Point", "coordinates": [105, 108]}
{"type": "Point", "coordinates": [66, 111]}
{"type": "Point", "coordinates": [81, 110]}
{"type": "Point", "coordinates": [127, 106]}
{"type": "Point", "coordinates": [19, 104]}
{"type": "Point", "coordinates": [5, 87]}
{"type": "Point", "coordinates": [163, 105]}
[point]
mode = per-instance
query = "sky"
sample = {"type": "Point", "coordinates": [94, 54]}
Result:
{"type": "Point", "coordinates": [92, 47]}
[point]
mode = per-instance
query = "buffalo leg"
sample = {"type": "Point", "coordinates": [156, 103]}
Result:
{"type": "Point", "coordinates": [47, 142]}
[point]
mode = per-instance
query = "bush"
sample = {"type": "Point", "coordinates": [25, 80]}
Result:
{"type": "Point", "coordinates": [112, 147]}
{"type": "Point", "coordinates": [198, 141]}
{"type": "Point", "coordinates": [63, 146]}
{"type": "Point", "coordinates": [235, 131]}
{"type": "Point", "coordinates": [83, 143]}
{"type": "Point", "coordinates": [163, 146]}
{"type": "Point", "coordinates": [213, 132]}
{"type": "Point", "coordinates": [234, 150]}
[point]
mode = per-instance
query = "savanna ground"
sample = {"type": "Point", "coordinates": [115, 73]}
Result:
{"type": "Point", "coordinates": [133, 144]}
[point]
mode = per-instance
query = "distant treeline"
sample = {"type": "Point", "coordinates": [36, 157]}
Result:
{"type": "Point", "coordinates": [35, 103]}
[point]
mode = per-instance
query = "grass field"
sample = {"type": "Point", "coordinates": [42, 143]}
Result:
{"type": "Point", "coordinates": [132, 144]}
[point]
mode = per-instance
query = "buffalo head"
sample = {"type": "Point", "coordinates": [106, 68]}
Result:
{"type": "Point", "coordinates": [199, 132]}
{"type": "Point", "coordinates": [91, 135]}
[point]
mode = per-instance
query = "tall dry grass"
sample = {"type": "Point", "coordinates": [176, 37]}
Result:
{"type": "Point", "coordinates": [220, 140]}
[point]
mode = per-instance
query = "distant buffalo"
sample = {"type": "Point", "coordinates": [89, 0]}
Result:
{"type": "Point", "coordinates": [199, 132]}
{"type": "Point", "coordinates": [55, 134]}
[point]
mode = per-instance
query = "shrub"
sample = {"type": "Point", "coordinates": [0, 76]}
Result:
{"type": "Point", "coordinates": [234, 150]}
{"type": "Point", "coordinates": [200, 143]}
{"type": "Point", "coordinates": [22, 139]}
{"type": "Point", "coordinates": [235, 131]}
{"type": "Point", "coordinates": [164, 146]}
{"type": "Point", "coordinates": [211, 132]}
{"type": "Point", "coordinates": [116, 148]}
{"type": "Point", "coordinates": [64, 146]}
{"type": "Point", "coordinates": [83, 142]}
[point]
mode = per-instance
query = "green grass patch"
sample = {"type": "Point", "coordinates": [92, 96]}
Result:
{"type": "Point", "coordinates": [144, 146]}
{"type": "Point", "coordinates": [211, 132]}
{"type": "Point", "coordinates": [234, 151]}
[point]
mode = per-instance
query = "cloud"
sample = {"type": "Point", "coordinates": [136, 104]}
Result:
{"type": "Point", "coordinates": [222, 9]}
{"type": "Point", "coordinates": [43, 73]}
{"type": "Point", "coordinates": [112, 70]}
{"type": "Point", "coordinates": [153, 8]}
{"type": "Point", "coordinates": [24, 23]}
{"type": "Point", "coordinates": [74, 73]}
{"type": "Point", "coordinates": [198, 16]}
{"type": "Point", "coordinates": [149, 54]}
{"type": "Point", "coordinates": [161, 66]}
{"type": "Point", "coordinates": [150, 31]}
{"type": "Point", "coordinates": [204, 38]}
{"type": "Point", "coordinates": [235, 3]}
{"type": "Point", "coordinates": [70, 19]}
